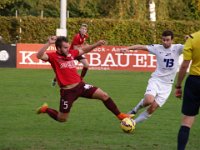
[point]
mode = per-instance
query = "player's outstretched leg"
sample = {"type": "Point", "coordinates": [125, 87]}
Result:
{"type": "Point", "coordinates": [137, 107]}
{"type": "Point", "coordinates": [54, 114]}
{"type": "Point", "coordinates": [147, 113]}
{"type": "Point", "coordinates": [109, 104]}
{"type": "Point", "coordinates": [146, 101]}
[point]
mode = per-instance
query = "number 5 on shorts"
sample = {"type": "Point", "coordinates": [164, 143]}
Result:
{"type": "Point", "coordinates": [65, 103]}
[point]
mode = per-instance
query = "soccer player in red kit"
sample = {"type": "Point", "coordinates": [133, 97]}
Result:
{"type": "Point", "coordinates": [79, 42]}
{"type": "Point", "coordinates": [71, 85]}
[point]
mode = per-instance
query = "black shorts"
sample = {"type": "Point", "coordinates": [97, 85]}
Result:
{"type": "Point", "coordinates": [191, 98]}
{"type": "Point", "coordinates": [68, 96]}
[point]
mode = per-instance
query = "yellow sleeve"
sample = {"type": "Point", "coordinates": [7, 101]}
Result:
{"type": "Point", "coordinates": [187, 51]}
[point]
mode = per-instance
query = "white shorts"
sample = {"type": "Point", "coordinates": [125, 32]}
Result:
{"type": "Point", "coordinates": [159, 90]}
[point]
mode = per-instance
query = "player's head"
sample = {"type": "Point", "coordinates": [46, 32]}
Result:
{"type": "Point", "coordinates": [83, 29]}
{"type": "Point", "coordinates": [62, 45]}
{"type": "Point", "coordinates": [167, 38]}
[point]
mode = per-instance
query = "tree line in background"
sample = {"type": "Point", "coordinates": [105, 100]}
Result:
{"type": "Point", "coordinates": [120, 9]}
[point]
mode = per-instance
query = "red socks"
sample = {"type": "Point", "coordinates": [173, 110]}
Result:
{"type": "Point", "coordinates": [111, 106]}
{"type": "Point", "coordinates": [52, 113]}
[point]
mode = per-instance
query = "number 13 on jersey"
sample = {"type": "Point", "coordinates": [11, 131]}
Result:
{"type": "Point", "coordinates": [169, 62]}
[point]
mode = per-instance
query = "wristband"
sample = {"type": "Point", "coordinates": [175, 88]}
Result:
{"type": "Point", "coordinates": [178, 87]}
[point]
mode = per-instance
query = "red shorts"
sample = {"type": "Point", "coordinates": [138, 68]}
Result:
{"type": "Point", "coordinates": [68, 96]}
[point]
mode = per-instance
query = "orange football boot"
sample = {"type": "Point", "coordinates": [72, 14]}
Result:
{"type": "Point", "coordinates": [121, 116]}
{"type": "Point", "coordinates": [42, 109]}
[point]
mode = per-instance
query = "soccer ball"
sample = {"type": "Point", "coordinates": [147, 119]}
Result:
{"type": "Point", "coordinates": [128, 125]}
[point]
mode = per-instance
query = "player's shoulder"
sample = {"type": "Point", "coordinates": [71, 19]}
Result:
{"type": "Point", "coordinates": [52, 53]}
{"type": "Point", "coordinates": [195, 34]}
{"type": "Point", "coordinates": [72, 51]}
{"type": "Point", "coordinates": [154, 45]}
{"type": "Point", "coordinates": [177, 46]}
{"type": "Point", "coordinates": [77, 35]}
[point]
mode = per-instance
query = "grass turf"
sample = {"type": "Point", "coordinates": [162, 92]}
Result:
{"type": "Point", "coordinates": [90, 125]}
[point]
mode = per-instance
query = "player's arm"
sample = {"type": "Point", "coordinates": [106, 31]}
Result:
{"type": "Point", "coordinates": [181, 76]}
{"type": "Point", "coordinates": [87, 49]}
{"type": "Point", "coordinates": [134, 47]}
{"type": "Point", "coordinates": [187, 56]}
{"type": "Point", "coordinates": [41, 54]}
{"type": "Point", "coordinates": [182, 72]}
{"type": "Point", "coordinates": [76, 46]}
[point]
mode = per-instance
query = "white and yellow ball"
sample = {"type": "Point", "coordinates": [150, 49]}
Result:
{"type": "Point", "coordinates": [128, 125]}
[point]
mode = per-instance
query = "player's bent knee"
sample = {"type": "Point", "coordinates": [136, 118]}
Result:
{"type": "Point", "coordinates": [188, 121]}
{"type": "Point", "coordinates": [62, 117]}
{"type": "Point", "coordinates": [101, 95]}
{"type": "Point", "coordinates": [148, 100]}
{"type": "Point", "coordinates": [62, 120]}
{"type": "Point", "coordinates": [104, 96]}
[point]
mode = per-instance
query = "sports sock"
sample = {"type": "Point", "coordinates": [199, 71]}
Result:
{"type": "Point", "coordinates": [143, 116]}
{"type": "Point", "coordinates": [52, 113]}
{"type": "Point", "coordinates": [83, 72]}
{"type": "Point", "coordinates": [111, 106]}
{"type": "Point", "coordinates": [138, 106]}
{"type": "Point", "coordinates": [183, 136]}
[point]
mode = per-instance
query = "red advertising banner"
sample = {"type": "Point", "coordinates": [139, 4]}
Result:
{"type": "Point", "coordinates": [101, 58]}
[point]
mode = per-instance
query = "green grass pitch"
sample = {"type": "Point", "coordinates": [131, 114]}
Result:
{"type": "Point", "coordinates": [90, 126]}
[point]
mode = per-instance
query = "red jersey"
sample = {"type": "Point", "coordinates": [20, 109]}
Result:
{"type": "Point", "coordinates": [78, 40]}
{"type": "Point", "coordinates": [64, 67]}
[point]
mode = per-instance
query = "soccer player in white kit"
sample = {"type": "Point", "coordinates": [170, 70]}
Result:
{"type": "Point", "coordinates": [160, 84]}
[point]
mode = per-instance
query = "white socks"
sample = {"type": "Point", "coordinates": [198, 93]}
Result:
{"type": "Point", "coordinates": [138, 106]}
{"type": "Point", "coordinates": [143, 116]}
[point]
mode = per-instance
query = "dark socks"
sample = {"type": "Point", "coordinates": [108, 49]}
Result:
{"type": "Point", "coordinates": [183, 136]}
{"type": "Point", "coordinates": [83, 72]}
{"type": "Point", "coordinates": [52, 113]}
{"type": "Point", "coordinates": [111, 106]}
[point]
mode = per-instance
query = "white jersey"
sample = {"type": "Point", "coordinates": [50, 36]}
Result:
{"type": "Point", "coordinates": [167, 61]}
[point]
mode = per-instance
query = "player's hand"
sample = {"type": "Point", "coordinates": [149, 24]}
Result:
{"type": "Point", "coordinates": [101, 42]}
{"type": "Point", "coordinates": [178, 92]}
{"type": "Point", "coordinates": [52, 39]}
{"type": "Point", "coordinates": [186, 37]}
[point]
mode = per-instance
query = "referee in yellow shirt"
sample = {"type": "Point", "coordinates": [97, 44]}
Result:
{"type": "Point", "coordinates": [191, 97]}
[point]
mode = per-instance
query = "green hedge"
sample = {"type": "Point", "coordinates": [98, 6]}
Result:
{"type": "Point", "coordinates": [9, 29]}
{"type": "Point", "coordinates": [116, 32]}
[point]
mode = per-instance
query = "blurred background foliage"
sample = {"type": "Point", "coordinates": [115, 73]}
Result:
{"type": "Point", "coordinates": [120, 9]}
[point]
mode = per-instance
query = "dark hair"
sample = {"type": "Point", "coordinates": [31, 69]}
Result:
{"type": "Point", "coordinates": [168, 33]}
{"type": "Point", "coordinates": [59, 41]}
